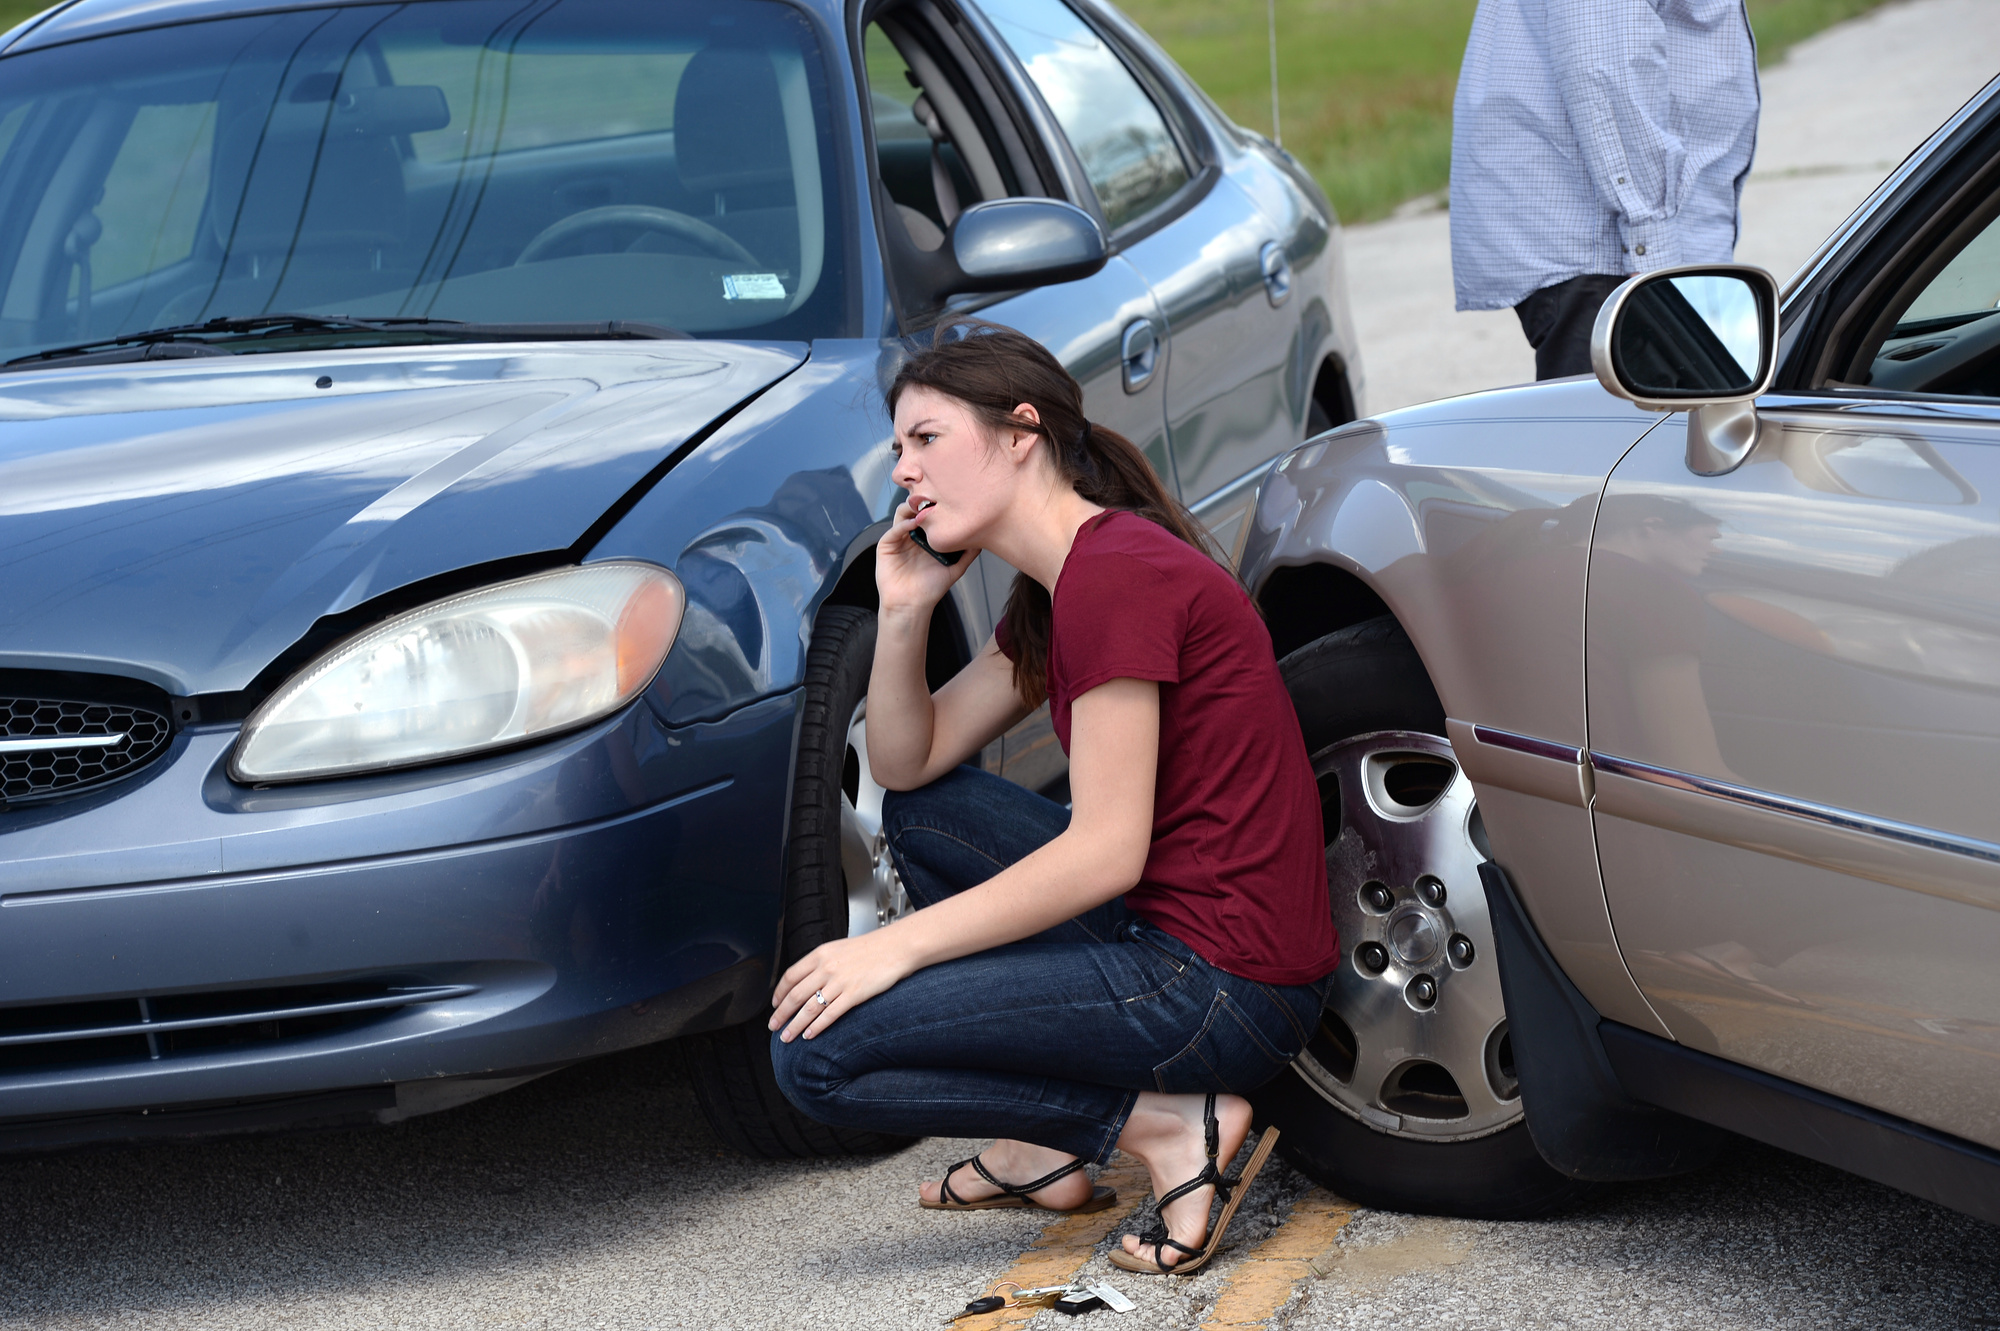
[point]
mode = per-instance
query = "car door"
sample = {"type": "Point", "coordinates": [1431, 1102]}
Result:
{"type": "Point", "coordinates": [1212, 257]}
{"type": "Point", "coordinates": [1107, 329]}
{"type": "Point", "coordinates": [1793, 679]}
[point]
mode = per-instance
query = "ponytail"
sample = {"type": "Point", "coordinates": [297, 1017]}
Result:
{"type": "Point", "coordinates": [993, 369]}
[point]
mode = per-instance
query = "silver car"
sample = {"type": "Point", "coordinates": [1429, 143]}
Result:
{"type": "Point", "coordinates": [1657, 719]}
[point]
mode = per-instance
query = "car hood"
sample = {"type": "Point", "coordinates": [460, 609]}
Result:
{"type": "Point", "coordinates": [187, 522]}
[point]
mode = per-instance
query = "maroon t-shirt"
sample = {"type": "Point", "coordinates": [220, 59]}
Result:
{"type": "Point", "coordinates": [1237, 870]}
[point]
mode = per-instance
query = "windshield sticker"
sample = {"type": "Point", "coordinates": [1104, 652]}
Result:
{"type": "Point", "coordinates": [752, 286]}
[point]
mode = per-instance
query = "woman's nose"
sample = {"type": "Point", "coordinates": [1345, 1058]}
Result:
{"type": "Point", "coordinates": [905, 473]}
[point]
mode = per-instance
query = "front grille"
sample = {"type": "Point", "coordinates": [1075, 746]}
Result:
{"type": "Point", "coordinates": [151, 1028]}
{"type": "Point", "coordinates": [66, 734]}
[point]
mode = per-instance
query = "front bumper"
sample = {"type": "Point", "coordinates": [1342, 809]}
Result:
{"type": "Point", "coordinates": [617, 886]}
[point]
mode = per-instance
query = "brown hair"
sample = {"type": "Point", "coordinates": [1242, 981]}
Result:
{"type": "Point", "coordinates": [992, 369]}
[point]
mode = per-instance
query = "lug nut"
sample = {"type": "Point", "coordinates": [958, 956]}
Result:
{"type": "Point", "coordinates": [1377, 897]}
{"type": "Point", "coordinates": [1430, 890]}
{"type": "Point", "coordinates": [1372, 957]}
{"type": "Point", "coordinates": [1460, 950]}
{"type": "Point", "coordinates": [1422, 991]}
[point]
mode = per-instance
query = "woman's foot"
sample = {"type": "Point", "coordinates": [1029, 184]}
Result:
{"type": "Point", "coordinates": [1017, 1162]}
{"type": "Point", "coordinates": [1165, 1134]}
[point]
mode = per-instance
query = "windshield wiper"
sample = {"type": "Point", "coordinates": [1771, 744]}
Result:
{"type": "Point", "coordinates": [232, 335]}
{"type": "Point", "coordinates": [190, 335]}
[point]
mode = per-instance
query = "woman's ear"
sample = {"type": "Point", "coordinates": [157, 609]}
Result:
{"type": "Point", "coordinates": [1020, 441]}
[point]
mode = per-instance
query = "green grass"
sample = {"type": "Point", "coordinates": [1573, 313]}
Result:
{"type": "Point", "coordinates": [1365, 84]}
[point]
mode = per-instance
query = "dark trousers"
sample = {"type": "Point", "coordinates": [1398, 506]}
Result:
{"type": "Point", "coordinates": [1558, 319]}
{"type": "Point", "coordinates": [1048, 1040]}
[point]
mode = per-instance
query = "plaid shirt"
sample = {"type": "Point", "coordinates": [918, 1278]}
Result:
{"type": "Point", "coordinates": [1597, 136]}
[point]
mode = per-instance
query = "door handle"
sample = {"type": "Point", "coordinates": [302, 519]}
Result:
{"type": "Point", "coordinates": [1139, 349]}
{"type": "Point", "coordinates": [1277, 269]}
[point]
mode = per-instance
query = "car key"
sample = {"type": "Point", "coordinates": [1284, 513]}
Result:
{"type": "Point", "coordinates": [1077, 1302]}
{"type": "Point", "coordinates": [991, 1303]}
{"type": "Point", "coordinates": [945, 557]}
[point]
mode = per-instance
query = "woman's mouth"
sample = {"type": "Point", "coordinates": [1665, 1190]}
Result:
{"type": "Point", "coordinates": [923, 504]}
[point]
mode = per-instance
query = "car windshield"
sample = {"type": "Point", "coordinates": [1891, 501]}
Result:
{"type": "Point", "coordinates": [663, 162]}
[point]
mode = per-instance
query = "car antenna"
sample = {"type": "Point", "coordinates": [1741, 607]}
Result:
{"type": "Point", "coordinates": [1271, 23]}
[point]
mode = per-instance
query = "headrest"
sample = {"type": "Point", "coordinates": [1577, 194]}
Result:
{"type": "Point", "coordinates": [729, 129]}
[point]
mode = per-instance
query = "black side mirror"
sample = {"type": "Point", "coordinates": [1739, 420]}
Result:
{"type": "Point", "coordinates": [1697, 338]}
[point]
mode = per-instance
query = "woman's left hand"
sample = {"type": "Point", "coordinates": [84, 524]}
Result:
{"type": "Point", "coordinates": [847, 972]}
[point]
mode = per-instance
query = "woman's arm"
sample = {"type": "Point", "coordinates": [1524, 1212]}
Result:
{"type": "Point", "coordinates": [1115, 748]}
{"type": "Point", "coordinates": [913, 739]}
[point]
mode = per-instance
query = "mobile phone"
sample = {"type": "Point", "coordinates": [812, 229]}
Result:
{"type": "Point", "coordinates": [945, 557]}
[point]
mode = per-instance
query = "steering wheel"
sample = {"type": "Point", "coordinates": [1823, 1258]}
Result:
{"type": "Point", "coordinates": [713, 242]}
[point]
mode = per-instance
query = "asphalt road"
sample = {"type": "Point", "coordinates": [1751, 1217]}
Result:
{"type": "Point", "coordinates": [598, 1198]}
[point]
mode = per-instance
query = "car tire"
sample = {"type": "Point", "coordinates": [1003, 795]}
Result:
{"type": "Point", "coordinates": [1362, 685]}
{"type": "Point", "coordinates": [731, 1068]}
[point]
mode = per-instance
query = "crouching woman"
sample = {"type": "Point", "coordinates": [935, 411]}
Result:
{"type": "Point", "coordinates": [1111, 976]}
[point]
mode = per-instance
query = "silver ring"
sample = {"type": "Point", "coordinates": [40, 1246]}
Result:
{"type": "Point", "coordinates": [819, 997]}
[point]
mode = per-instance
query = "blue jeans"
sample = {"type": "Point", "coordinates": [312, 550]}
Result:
{"type": "Point", "coordinates": [1048, 1040]}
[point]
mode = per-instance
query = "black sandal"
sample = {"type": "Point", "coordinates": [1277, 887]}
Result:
{"type": "Point", "coordinates": [1015, 1195]}
{"type": "Point", "coordinates": [1226, 1190]}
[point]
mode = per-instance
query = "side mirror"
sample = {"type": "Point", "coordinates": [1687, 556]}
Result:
{"type": "Point", "coordinates": [1005, 244]}
{"type": "Point", "coordinates": [1701, 339]}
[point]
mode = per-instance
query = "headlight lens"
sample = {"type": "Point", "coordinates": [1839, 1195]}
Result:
{"type": "Point", "coordinates": [496, 666]}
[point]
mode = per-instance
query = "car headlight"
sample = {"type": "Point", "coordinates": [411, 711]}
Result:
{"type": "Point", "coordinates": [497, 666]}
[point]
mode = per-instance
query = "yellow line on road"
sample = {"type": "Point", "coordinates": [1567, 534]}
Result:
{"type": "Point", "coordinates": [1268, 1274]}
{"type": "Point", "coordinates": [1066, 1244]}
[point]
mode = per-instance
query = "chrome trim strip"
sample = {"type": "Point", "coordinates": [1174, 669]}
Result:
{"type": "Point", "coordinates": [1823, 814]}
{"type": "Point", "coordinates": [1540, 748]}
{"type": "Point", "coordinates": [39, 743]}
{"type": "Point", "coordinates": [396, 999]}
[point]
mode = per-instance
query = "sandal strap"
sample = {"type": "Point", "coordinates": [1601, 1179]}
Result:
{"type": "Point", "coordinates": [1022, 1190]}
{"type": "Point", "coordinates": [1205, 1178]}
{"type": "Point", "coordinates": [944, 1184]}
{"type": "Point", "coordinates": [1159, 1240]}
{"type": "Point", "coordinates": [1060, 1172]}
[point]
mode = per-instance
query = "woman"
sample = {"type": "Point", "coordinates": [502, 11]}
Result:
{"type": "Point", "coordinates": [1115, 976]}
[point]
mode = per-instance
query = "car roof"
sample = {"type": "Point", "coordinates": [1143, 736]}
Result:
{"type": "Point", "coordinates": [94, 18]}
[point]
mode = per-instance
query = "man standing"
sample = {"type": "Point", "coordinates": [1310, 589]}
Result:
{"type": "Point", "coordinates": [1593, 139]}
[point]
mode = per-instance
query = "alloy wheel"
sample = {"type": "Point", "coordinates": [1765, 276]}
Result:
{"type": "Point", "coordinates": [875, 894]}
{"type": "Point", "coordinates": [1413, 1041]}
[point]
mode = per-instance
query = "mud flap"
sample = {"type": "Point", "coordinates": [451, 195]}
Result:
{"type": "Point", "coordinates": [1579, 1116]}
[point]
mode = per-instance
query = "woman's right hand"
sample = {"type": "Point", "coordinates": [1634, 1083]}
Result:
{"type": "Point", "coordinates": [906, 577]}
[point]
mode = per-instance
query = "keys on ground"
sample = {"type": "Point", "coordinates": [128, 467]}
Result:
{"type": "Point", "coordinates": [1048, 1295]}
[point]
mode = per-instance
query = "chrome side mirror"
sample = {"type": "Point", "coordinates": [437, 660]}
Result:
{"type": "Point", "coordinates": [1701, 339]}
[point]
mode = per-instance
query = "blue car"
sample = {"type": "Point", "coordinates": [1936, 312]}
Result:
{"type": "Point", "coordinates": [440, 462]}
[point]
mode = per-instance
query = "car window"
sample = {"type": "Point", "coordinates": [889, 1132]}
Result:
{"type": "Point", "coordinates": [1946, 339]}
{"type": "Point", "coordinates": [659, 161]}
{"type": "Point", "coordinates": [1126, 149]}
{"type": "Point", "coordinates": [926, 178]}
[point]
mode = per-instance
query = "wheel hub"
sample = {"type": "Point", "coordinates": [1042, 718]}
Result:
{"type": "Point", "coordinates": [1414, 1037]}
